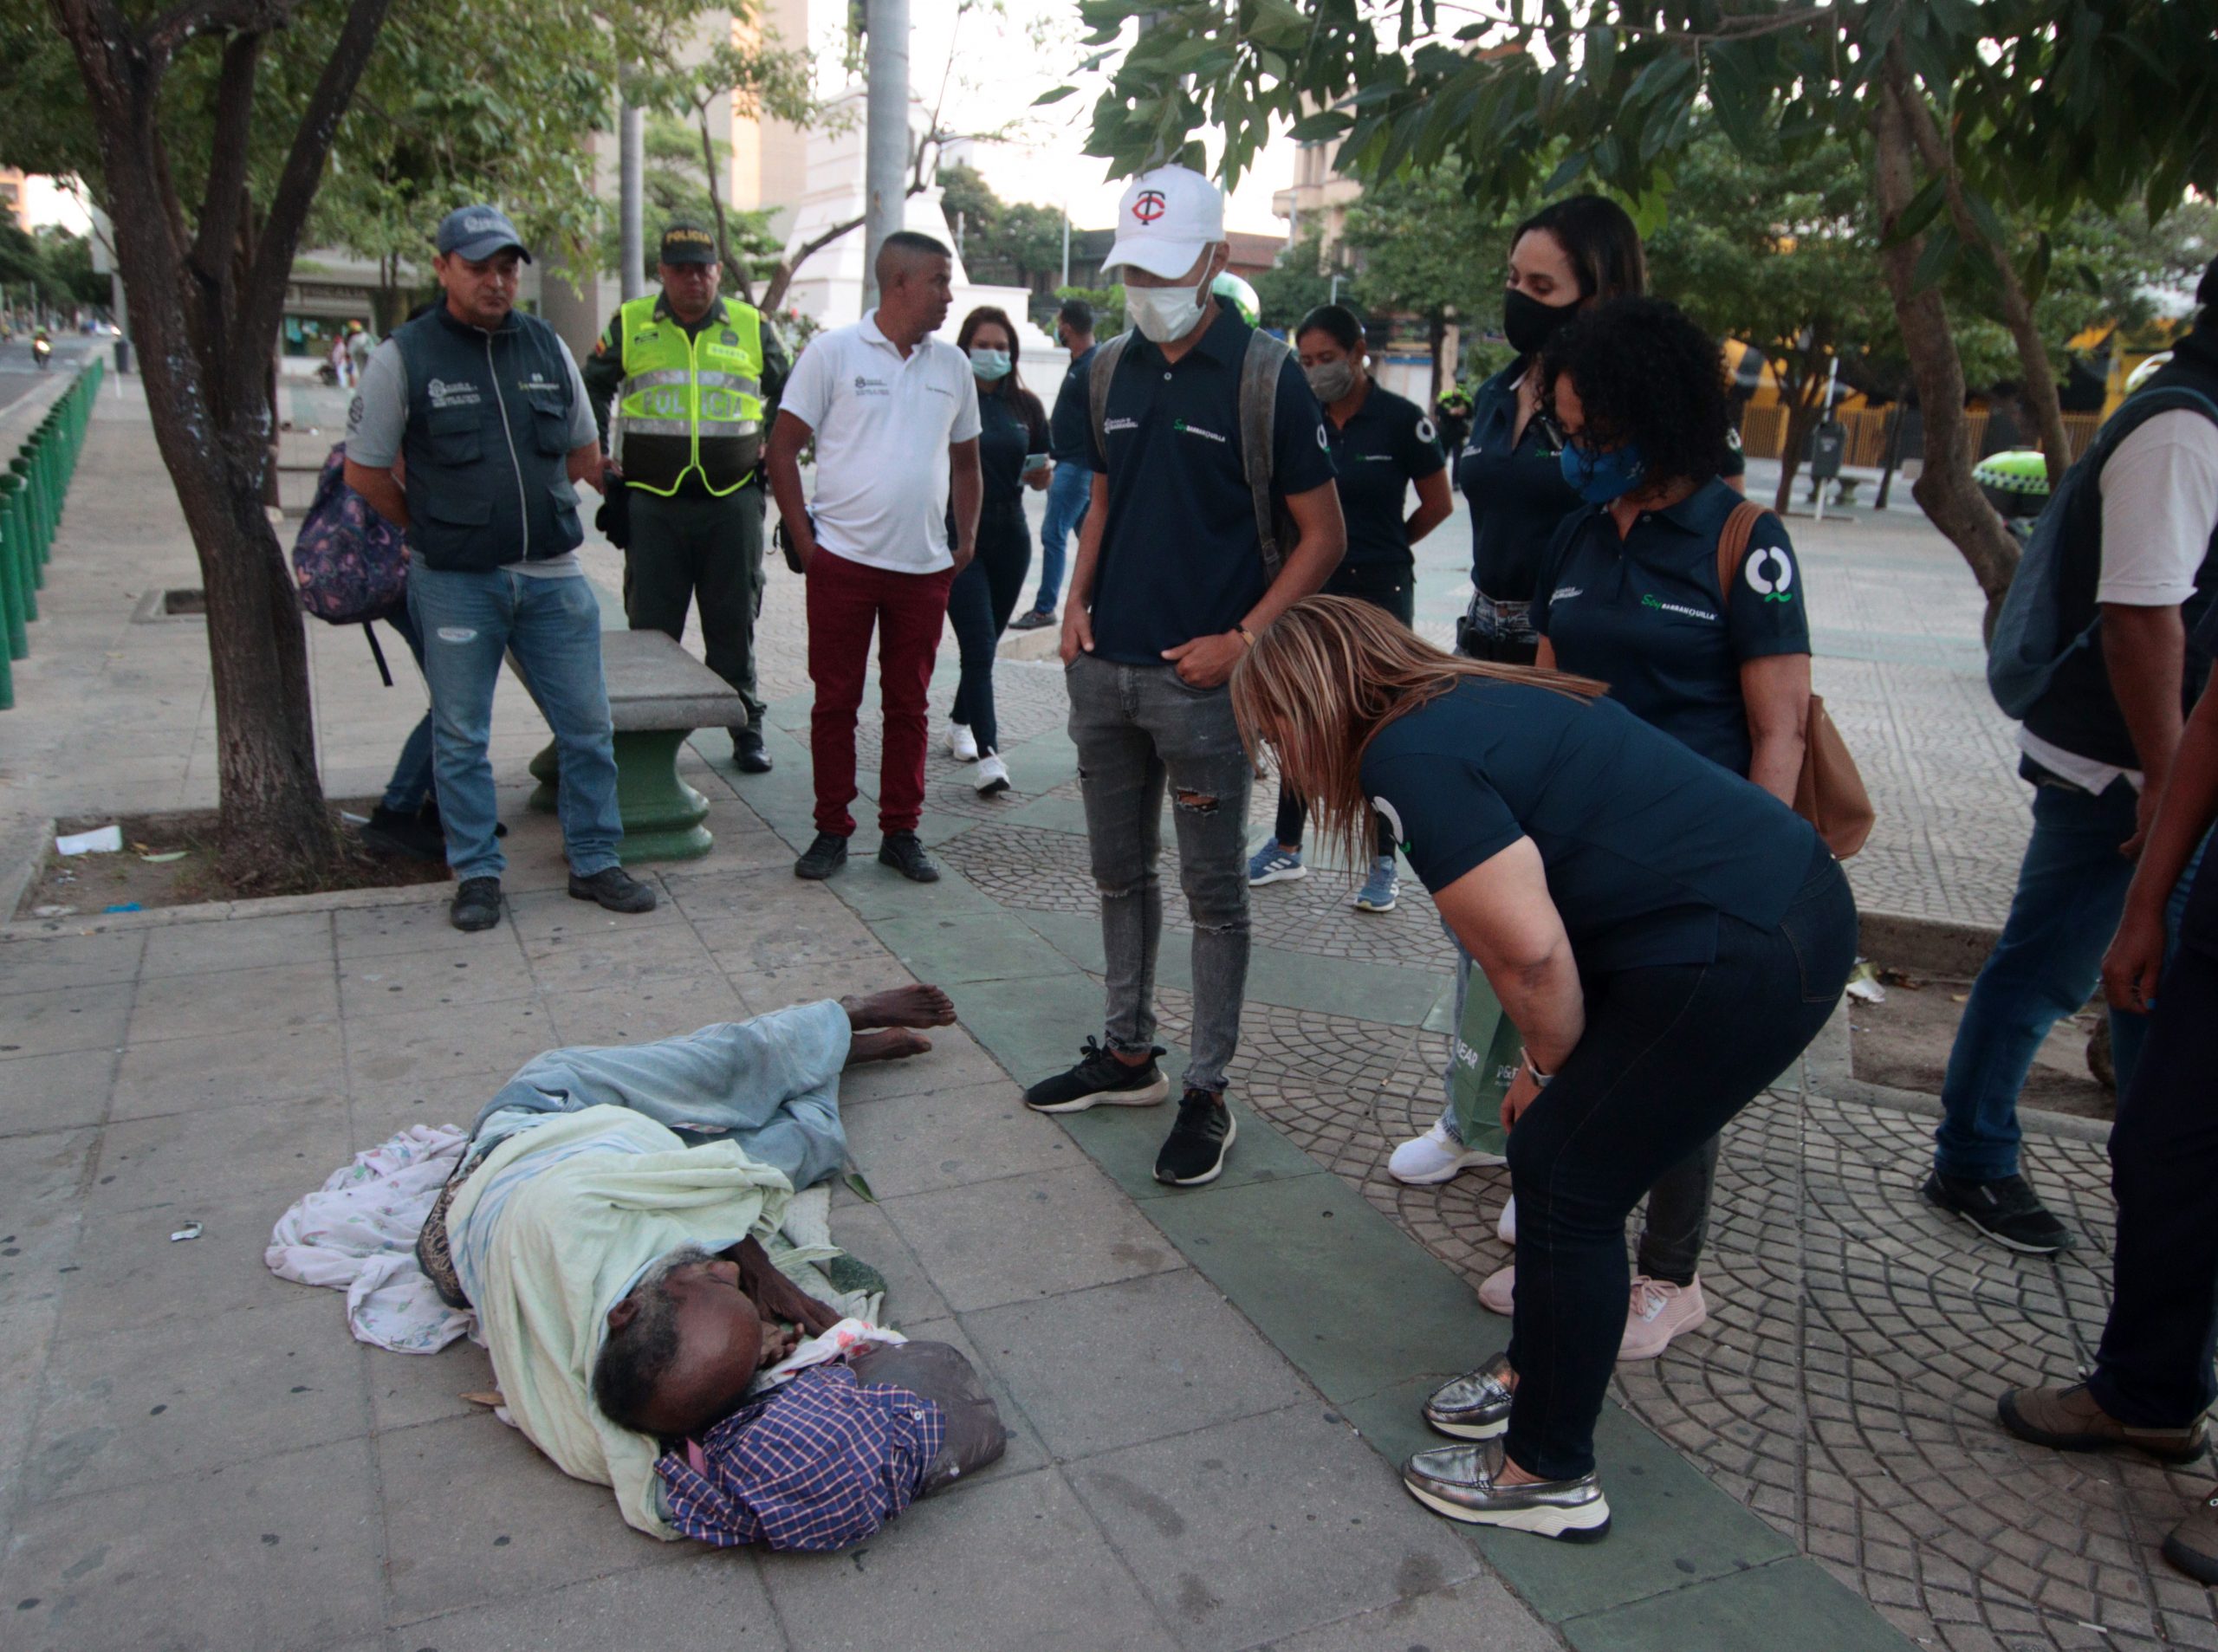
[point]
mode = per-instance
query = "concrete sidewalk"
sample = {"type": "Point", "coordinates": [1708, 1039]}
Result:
{"type": "Point", "coordinates": [1210, 1388]}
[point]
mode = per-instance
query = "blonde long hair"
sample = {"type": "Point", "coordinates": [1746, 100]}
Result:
{"type": "Point", "coordinates": [1321, 682]}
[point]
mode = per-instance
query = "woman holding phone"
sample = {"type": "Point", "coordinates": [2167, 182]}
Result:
{"type": "Point", "coordinates": [1665, 937]}
{"type": "Point", "coordinates": [1012, 456]}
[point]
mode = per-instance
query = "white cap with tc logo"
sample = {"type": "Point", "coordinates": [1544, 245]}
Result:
{"type": "Point", "coordinates": [1165, 219]}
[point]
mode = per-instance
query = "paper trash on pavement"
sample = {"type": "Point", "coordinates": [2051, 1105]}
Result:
{"type": "Point", "coordinates": [105, 840]}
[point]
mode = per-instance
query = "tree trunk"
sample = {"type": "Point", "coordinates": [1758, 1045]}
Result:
{"type": "Point", "coordinates": [1945, 488]}
{"type": "Point", "coordinates": [1800, 399]}
{"type": "Point", "coordinates": [1436, 331]}
{"type": "Point", "coordinates": [2040, 376]}
{"type": "Point", "coordinates": [716, 206]}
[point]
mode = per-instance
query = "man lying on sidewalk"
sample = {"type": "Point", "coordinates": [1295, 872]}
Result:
{"type": "Point", "coordinates": [607, 1225]}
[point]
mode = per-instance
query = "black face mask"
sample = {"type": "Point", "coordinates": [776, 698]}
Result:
{"type": "Point", "coordinates": [1528, 324]}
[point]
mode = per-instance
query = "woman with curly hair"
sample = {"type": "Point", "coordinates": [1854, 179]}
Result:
{"type": "Point", "coordinates": [1665, 937]}
{"type": "Point", "coordinates": [1629, 594]}
{"type": "Point", "coordinates": [1566, 258]}
{"type": "Point", "coordinates": [1012, 456]}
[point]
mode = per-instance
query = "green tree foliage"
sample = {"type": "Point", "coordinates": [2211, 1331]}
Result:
{"type": "Point", "coordinates": [674, 188]}
{"type": "Point", "coordinates": [1297, 283]}
{"type": "Point", "coordinates": [1970, 119]}
{"type": "Point", "coordinates": [1004, 243]}
{"type": "Point", "coordinates": [1108, 304]}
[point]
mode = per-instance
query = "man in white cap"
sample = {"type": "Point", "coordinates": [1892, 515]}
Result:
{"type": "Point", "coordinates": [1212, 512]}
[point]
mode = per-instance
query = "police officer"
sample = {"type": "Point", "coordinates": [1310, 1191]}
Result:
{"type": "Point", "coordinates": [485, 405]}
{"type": "Point", "coordinates": [692, 374]}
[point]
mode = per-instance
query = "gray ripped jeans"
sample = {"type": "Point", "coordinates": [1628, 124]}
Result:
{"type": "Point", "coordinates": [1139, 730]}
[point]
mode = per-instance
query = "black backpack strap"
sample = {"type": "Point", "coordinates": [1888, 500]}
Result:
{"type": "Point", "coordinates": [377, 653]}
{"type": "Point", "coordinates": [1259, 401]}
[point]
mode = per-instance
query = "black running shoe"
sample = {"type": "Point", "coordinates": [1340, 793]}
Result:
{"type": "Point", "coordinates": [748, 752]}
{"type": "Point", "coordinates": [476, 905]}
{"type": "Point", "coordinates": [1100, 1077]}
{"type": "Point", "coordinates": [904, 852]}
{"type": "Point", "coordinates": [2005, 1209]}
{"type": "Point", "coordinates": [388, 832]}
{"type": "Point", "coordinates": [1194, 1151]}
{"type": "Point", "coordinates": [823, 858]}
{"type": "Point", "coordinates": [616, 889]}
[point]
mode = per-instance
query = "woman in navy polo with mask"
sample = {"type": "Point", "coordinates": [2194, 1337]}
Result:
{"type": "Point", "coordinates": [1382, 445]}
{"type": "Point", "coordinates": [1629, 594]}
{"type": "Point", "coordinates": [1012, 456]}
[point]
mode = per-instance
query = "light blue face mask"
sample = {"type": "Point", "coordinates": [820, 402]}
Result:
{"type": "Point", "coordinates": [988, 364]}
{"type": "Point", "coordinates": [1598, 478]}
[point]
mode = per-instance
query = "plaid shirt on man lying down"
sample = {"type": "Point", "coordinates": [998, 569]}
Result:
{"type": "Point", "coordinates": [822, 1463]}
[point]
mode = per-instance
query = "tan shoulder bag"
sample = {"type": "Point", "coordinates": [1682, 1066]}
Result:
{"type": "Point", "coordinates": [1829, 794]}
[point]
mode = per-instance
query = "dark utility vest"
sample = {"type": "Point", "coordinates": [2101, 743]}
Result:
{"type": "Point", "coordinates": [488, 443]}
{"type": "Point", "coordinates": [2078, 711]}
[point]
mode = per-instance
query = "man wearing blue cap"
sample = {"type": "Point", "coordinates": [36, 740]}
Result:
{"type": "Point", "coordinates": [485, 407]}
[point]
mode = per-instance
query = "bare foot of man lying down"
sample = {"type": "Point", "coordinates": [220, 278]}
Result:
{"type": "Point", "coordinates": [887, 1044]}
{"type": "Point", "coordinates": [901, 1007]}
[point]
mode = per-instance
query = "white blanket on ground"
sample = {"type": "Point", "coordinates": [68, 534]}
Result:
{"type": "Point", "coordinates": [357, 1233]}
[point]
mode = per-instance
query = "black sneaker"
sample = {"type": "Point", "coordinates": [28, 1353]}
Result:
{"type": "Point", "coordinates": [824, 857]}
{"type": "Point", "coordinates": [2005, 1209]}
{"type": "Point", "coordinates": [1032, 618]}
{"type": "Point", "coordinates": [1194, 1151]}
{"type": "Point", "coordinates": [904, 852]}
{"type": "Point", "coordinates": [476, 905]}
{"type": "Point", "coordinates": [390, 832]}
{"type": "Point", "coordinates": [616, 889]}
{"type": "Point", "coordinates": [747, 751]}
{"type": "Point", "coordinates": [1099, 1077]}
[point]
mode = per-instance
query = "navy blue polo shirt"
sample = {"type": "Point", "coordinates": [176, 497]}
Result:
{"type": "Point", "coordinates": [1644, 614]}
{"type": "Point", "coordinates": [1387, 445]}
{"type": "Point", "coordinates": [1644, 843]}
{"type": "Point", "coordinates": [1067, 441]}
{"type": "Point", "coordinates": [1516, 486]}
{"type": "Point", "coordinates": [1009, 431]}
{"type": "Point", "coordinates": [1179, 557]}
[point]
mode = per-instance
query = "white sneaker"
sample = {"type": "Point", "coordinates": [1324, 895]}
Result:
{"type": "Point", "coordinates": [1433, 1158]}
{"type": "Point", "coordinates": [1498, 1291]}
{"type": "Point", "coordinates": [992, 776]}
{"type": "Point", "coordinates": [1506, 1227]}
{"type": "Point", "coordinates": [1658, 1312]}
{"type": "Point", "coordinates": [961, 744]}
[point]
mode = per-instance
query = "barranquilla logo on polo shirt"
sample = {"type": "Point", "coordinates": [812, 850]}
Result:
{"type": "Point", "coordinates": [1186, 428]}
{"type": "Point", "coordinates": [1770, 573]}
{"type": "Point", "coordinates": [1651, 600]}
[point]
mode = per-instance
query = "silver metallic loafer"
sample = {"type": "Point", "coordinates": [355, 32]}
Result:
{"type": "Point", "coordinates": [1473, 1407]}
{"type": "Point", "coordinates": [1459, 1481]}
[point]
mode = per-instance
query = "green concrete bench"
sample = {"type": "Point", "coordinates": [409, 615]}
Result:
{"type": "Point", "coordinates": [657, 694]}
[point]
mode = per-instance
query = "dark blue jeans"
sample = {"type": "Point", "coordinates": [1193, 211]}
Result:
{"type": "Point", "coordinates": [2070, 892]}
{"type": "Point", "coordinates": [1070, 493]}
{"type": "Point", "coordinates": [1671, 1053]}
{"type": "Point", "coordinates": [2154, 1369]}
{"type": "Point", "coordinates": [411, 785]}
{"type": "Point", "coordinates": [979, 604]}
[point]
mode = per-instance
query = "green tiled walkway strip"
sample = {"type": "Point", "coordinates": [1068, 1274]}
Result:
{"type": "Point", "coordinates": [31, 491]}
{"type": "Point", "coordinates": [1366, 1313]}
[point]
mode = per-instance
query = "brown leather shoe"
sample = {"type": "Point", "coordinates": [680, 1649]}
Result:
{"type": "Point", "coordinates": [2068, 1420]}
{"type": "Point", "coordinates": [2193, 1546]}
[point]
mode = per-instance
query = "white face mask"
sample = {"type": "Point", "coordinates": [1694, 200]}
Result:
{"type": "Point", "coordinates": [1163, 313]}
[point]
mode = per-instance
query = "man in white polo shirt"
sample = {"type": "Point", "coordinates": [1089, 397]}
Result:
{"type": "Point", "coordinates": [894, 413]}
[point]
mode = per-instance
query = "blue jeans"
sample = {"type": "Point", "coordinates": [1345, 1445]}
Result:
{"type": "Point", "coordinates": [2071, 890]}
{"type": "Point", "coordinates": [1070, 490]}
{"type": "Point", "coordinates": [468, 621]}
{"type": "Point", "coordinates": [411, 785]}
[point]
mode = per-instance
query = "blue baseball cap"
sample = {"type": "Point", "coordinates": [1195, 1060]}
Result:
{"type": "Point", "coordinates": [477, 232]}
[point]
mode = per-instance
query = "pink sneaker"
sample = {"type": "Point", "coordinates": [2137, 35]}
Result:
{"type": "Point", "coordinates": [1496, 1290]}
{"type": "Point", "coordinates": [1659, 1312]}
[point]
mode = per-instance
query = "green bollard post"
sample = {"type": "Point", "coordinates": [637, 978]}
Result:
{"type": "Point", "coordinates": [15, 583]}
{"type": "Point", "coordinates": [26, 499]}
{"type": "Point", "coordinates": [15, 524]}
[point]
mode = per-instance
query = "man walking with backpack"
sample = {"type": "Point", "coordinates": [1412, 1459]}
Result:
{"type": "Point", "coordinates": [1202, 429]}
{"type": "Point", "coordinates": [2092, 652]}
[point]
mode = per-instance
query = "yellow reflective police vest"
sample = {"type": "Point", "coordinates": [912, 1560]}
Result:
{"type": "Point", "coordinates": [690, 404]}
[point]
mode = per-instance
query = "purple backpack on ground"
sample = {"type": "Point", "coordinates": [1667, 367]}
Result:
{"type": "Point", "coordinates": [351, 563]}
